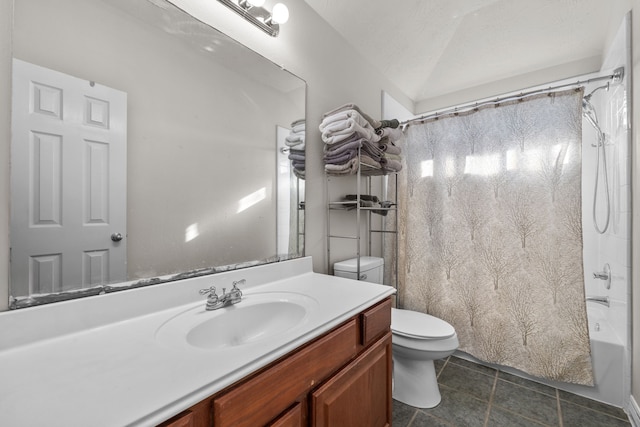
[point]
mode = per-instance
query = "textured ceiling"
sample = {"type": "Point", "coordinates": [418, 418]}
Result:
{"type": "Point", "coordinates": [430, 48]}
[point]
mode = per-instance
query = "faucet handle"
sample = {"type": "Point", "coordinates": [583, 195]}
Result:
{"type": "Point", "coordinates": [605, 275]}
{"type": "Point", "coordinates": [235, 286]}
{"type": "Point", "coordinates": [211, 292]}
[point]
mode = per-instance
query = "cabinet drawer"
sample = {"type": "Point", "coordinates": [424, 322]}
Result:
{"type": "Point", "coordinates": [184, 419]}
{"type": "Point", "coordinates": [376, 321]}
{"type": "Point", "coordinates": [260, 399]}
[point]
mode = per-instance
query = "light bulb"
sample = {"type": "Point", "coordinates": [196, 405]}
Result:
{"type": "Point", "coordinates": [256, 3]}
{"type": "Point", "coordinates": [280, 13]}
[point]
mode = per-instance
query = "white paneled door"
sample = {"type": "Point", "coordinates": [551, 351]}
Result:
{"type": "Point", "coordinates": [68, 182]}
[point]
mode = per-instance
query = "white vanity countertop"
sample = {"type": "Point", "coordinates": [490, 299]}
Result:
{"type": "Point", "coordinates": [78, 363]}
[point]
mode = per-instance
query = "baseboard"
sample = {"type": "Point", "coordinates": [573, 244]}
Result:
{"type": "Point", "coordinates": [634, 412]}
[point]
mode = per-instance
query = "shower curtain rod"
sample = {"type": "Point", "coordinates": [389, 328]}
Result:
{"type": "Point", "coordinates": [616, 76]}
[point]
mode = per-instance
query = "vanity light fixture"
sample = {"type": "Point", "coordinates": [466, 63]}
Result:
{"type": "Point", "coordinates": [252, 11]}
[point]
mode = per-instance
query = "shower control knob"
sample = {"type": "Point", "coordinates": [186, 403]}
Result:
{"type": "Point", "coordinates": [605, 275]}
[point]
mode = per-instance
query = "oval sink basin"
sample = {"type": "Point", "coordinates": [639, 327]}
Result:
{"type": "Point", "coordinates": [257, 317]}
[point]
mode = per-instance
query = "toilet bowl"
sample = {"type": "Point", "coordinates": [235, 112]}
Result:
{"type": "Point", "coordinates": [417, 340]}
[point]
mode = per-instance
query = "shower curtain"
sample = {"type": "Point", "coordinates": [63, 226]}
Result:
{"type": "Point", "coordinates": [491, 232]}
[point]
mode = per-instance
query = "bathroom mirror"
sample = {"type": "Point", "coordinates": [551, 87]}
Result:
{"type": "Point", "coordinates": [200, 165]}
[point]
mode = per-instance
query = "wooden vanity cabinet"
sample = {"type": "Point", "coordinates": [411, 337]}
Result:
{"type": "Point", "coordinates": [341, 378]}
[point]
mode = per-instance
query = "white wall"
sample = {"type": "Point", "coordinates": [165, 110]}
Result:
{"type": "Point", "coordinates": [6, 21]}
{"type": "Point", "coordinates": [513, 84]}
{"type": "Point", "coordinates": [635, 168]}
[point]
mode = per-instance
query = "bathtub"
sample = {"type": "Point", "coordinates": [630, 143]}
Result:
{"type": "Point", "coordinates": [607, 356]}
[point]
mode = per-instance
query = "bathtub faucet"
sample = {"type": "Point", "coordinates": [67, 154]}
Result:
{"type": "Point", "coordinates": [604, 300]}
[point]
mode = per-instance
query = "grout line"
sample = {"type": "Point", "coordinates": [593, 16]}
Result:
{"type": "Point", "coordinates": [446, 362]}
{"type": "Point", "coordinates": [493, 392]}
{"type": "Point", "coordinates": [415, 414]}
{"type": "Point", "coordinates": [560, 423]}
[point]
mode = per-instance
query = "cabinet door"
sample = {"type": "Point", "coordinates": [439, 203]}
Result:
{"type": "Point", "coordinates": [358, 395]}
{"type": "Point", "coordinates": [291, 418]}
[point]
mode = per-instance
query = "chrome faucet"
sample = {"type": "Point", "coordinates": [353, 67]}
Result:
{"type": "Point", "coordinates": [215, 302]}
{"type": "Point", "coordinates": [604, 300]}
{"type": "Point", "coordinates": [234, 296]}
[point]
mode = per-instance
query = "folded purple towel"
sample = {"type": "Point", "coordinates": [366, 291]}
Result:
{"type": "Point", "coordinates": [295, 156]}
{"type": "Point", "coordinates": [367, 147]}
{"type": "Point", "coordinates": [348, 144]}
{"type": "Point", "coordinates": [341, 158]}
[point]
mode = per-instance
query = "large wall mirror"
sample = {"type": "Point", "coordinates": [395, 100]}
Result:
{"type": "Point", "coordinates": [147, 146]}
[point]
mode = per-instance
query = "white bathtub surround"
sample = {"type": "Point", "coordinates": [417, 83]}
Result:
{"type": "Point", "coordinates": [610, 351]}
{"type": "Point", "coordinates": [96, 361]}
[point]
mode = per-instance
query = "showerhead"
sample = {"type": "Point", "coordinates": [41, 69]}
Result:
{"type": "Point", "coordinates": [587, 107]}
{"type": "Point", "coordinates": [589, 112]}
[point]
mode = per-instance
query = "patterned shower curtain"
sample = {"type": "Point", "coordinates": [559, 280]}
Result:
{"type": "Point", "coordinates": [491, 232]}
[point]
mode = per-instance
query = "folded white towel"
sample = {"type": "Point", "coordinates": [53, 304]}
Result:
{"type": "Point", "coordinates": [373, 122]}
{"type": "Point", "coordinates": [347, 129]}
{"type": "Point", "coordinates": [293, 139]}
{"type": "Point", "coordinates": [342, 116]}
{"type": "Point", "coordinates": [358, 133]}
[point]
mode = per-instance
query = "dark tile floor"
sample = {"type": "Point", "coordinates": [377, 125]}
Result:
{"type": "Point", "coordinates": [475, 395]}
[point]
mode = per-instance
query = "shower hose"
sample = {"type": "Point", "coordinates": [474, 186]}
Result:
{"type": "Point", "coordinates": [600, 146]}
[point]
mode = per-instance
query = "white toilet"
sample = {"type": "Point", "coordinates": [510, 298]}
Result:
{"type": "Point", "coordinates": [418, 339]}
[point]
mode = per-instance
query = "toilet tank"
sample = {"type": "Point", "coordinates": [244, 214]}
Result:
{"type": "Point", "coordinates": [371, 269]}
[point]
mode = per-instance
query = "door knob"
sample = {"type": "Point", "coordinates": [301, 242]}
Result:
{"type": "Point", "coordinates": [116, 237]}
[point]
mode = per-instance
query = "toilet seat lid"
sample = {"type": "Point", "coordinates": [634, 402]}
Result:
{"type": "Point", "coordinates": [418, 325]}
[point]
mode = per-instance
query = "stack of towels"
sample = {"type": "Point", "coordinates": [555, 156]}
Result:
{"type": "Point", "coordinates": [295, 142]}
{"type": "Point", "coordinates": [391, 159]}
{"type": "Point", "coordinates": [347, 132]}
